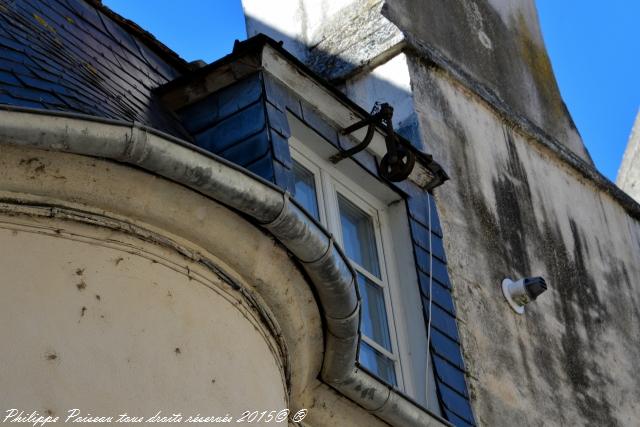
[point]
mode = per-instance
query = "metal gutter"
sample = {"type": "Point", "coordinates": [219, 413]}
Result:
{"type": "Point", "coordinates": [313, 246]}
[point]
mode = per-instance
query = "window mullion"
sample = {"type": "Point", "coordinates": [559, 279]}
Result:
{"type": "Point", "coordinates": [331, 201]}
{"type": "Point", "coordinates": [328, 188]}
{"type": "Point", "coordinates": [368, 275]}
{"type": "Point", "coordinates": [379, 348]}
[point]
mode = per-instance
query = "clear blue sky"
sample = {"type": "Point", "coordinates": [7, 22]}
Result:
{"type": "Point", "coordinates": [593, 45]}
{"type": "Point", "coordinates": [595, 52]}
{"type": "Point", "coordinates": [195, 29]}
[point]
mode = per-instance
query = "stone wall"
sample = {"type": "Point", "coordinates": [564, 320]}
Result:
{"type": "Point", "coordinates": [629, 173]}
{"type": "Point", "coordinates": [524, 199]}
{"type": "Point", "coordinates": [513, 209]}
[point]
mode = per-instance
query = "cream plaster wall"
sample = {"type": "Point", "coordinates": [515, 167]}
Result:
{"type": "Point", "coordinates": [95, 320]}
{"type": "Point", "coordinates": [124, 292]}
{"type": "Point", "coordinates": [189, 292]}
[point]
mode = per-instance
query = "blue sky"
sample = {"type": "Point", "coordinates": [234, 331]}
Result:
{"type": "Point", "coordinates": [595, 52]}
{"type": "Point", "coordinates": [195, 29]}
{"type": "Point", "coordinates": [593, 47]}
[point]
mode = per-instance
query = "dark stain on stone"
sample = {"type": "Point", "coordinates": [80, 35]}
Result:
{"type": "Point", "coordinates": [510, 241]}
{"type": "Point", "coordinates": [618, 275]}
{"type": "Point", "coordinates": [578, 305]}
{"type": "Point", "coordinates": [514, 209]}
{"type": "Point", "coordinates": [29, 161]}
{"type": "Point", "coordinates": [83, 311]}
{"type": "Point", "coordinates": [82, 285]}
{"type": "Point", "coordinates": [79, 271]}
{"type": "Point", "coordinates": [51, 356]}
{"type": "Point", "coordinates": [368, 393]}
{"type": "Point", "coordinates": [177, 350]}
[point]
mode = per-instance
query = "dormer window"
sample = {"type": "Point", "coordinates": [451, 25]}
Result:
{"type": "Point", "coordinates": [361, 245]}
{"type": "Point", "coordinates": [355, 217]}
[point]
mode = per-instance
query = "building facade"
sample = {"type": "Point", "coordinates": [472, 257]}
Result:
{"type": "Point", "coordinates": [523, 200]}
{"type": "Point", "coordinates": [206, 239]}
{"type": "Point", "coordinates": [629, 174]}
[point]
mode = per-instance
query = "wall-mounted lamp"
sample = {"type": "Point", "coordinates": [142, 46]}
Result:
{"type": "Point", "coordinates": [521, 292]}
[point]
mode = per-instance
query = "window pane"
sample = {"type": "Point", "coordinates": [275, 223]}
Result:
{"type": "Point", "coordinates": [359, 238]}
{"type": "Point", "coordinates": [305, 189]}
{"type": "Point", "coordinates": [377, 363]}
{"type": "Point", "coordinates": [373, 312]}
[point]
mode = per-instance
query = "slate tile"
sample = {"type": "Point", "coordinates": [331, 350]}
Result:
{"type": "Point", "coordinates": [441, 295]}
{"type": "Point", "coordinates": [283, 177]}
{"type": "Point", "coordinates": [263, 167]}
{"type": "Point", "coordinates": [281, 151]}
{"type": "Point", "coordinates": [450, 375]}
{"type": "Point", "coordinates": [444, 321]}
{"type": "Point", "coordinates": [249, 150]}
{"type": "Point", "coordinates": [456, 420]}
{"type": "Point", "coordinates": [319, 124]}
{"type": "Point", "coordinates": [455, 403]}
{"type": "Point", "coordinates": [233, 129]}
{"type": "Point", "coordinates": [221, 104]}
{"type": "Point", "coordinates": [8, 78]}
{"type": "Point", "coordinates": [280, 96]}
{"type": "Point", "coordinates": [278, 120]}
{"type": "Point", "coordinates": [446, 348]}
{"type": "Point", "coordinates": [440, 272]}
{"type": "Point", "coordinates": [420, 235]}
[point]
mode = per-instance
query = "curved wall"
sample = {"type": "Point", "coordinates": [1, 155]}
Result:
{"type": "Point", "coordinates": [122, 291]}
{"type": "Point", "coordinates": [95, 320]}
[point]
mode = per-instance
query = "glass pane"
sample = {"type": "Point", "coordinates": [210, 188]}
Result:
{"type": "Point", "coordinates": [377, 363]}
{"type": "Point", "coordinates": [373, 312]}
{"type": "Point", "coordinates": [305, 189]}
{"type": "Point", "coordinates": [359, 238]}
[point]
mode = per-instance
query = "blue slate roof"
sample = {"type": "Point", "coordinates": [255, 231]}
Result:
{"type": "Point", "coordinates": [78, 56]}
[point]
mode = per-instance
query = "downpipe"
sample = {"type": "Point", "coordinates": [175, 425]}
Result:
{"type": "Point", "coordinates": [313, 246]}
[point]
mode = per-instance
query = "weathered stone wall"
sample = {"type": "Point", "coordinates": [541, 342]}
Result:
{"type": "Point", "coordinates": [523, 200]}
{"type": "Point", "coordinates": [512, 209]}
{"type": "Point", "coordinates": [496, 46]}
{"type": "Point", "coordinates": [629, 173]}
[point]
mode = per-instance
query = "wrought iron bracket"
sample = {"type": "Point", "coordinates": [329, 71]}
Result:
{"type": "Point", "coordinates": [399, 161]}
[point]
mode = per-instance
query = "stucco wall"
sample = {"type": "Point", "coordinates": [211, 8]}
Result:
{"type": "Point", "coordinates": [146, 297]}
{"type": "Point", "coordinates": [512, 209]}
{"type": "Point", "coordinates": [189, 292]}
{"type": "Point", "coordinates": [100, 322]}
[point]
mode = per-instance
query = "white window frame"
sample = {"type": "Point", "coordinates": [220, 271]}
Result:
{"type": "Point", "coordinates": [329, 181]}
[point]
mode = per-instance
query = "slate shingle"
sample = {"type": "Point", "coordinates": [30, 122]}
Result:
{"type": "Point", "coordinates": [68, 55]}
